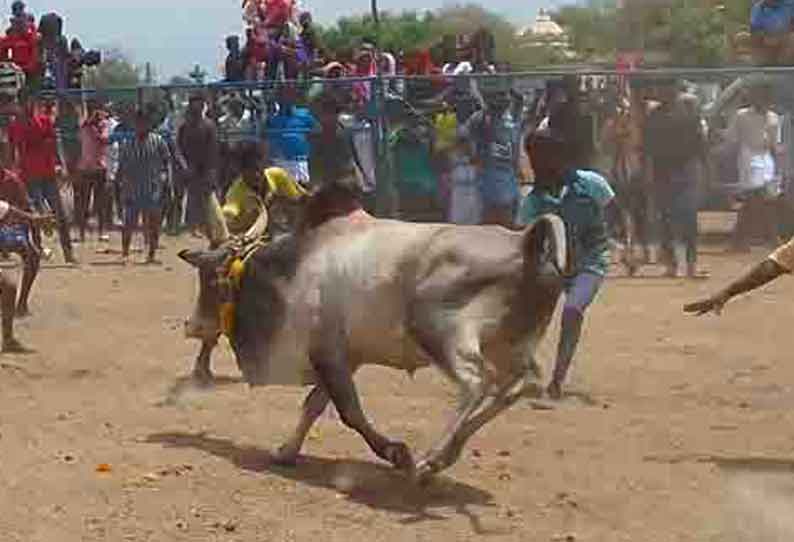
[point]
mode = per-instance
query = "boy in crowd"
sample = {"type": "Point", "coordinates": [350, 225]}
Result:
{"type": "Point", "coordinates": [142, 176]}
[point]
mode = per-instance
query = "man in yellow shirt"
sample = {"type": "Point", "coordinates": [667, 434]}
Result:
{"type": "Point", "coordinates": [257, 201]}
{"type": "Point", "coordinates": [780, 262]}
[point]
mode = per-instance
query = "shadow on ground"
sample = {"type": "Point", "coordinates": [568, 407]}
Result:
{"type": "Point", "coordinates": [369, 484]}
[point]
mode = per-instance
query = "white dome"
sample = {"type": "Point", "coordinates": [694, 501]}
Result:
{"type": "Point", "coordinates": [543, 26]}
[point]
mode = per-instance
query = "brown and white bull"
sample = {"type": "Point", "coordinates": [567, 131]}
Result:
{"type": "Point", "coordinates": [315, 306]}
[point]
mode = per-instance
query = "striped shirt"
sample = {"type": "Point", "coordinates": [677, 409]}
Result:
{"type": "Point", "coordinates": [142, 164]}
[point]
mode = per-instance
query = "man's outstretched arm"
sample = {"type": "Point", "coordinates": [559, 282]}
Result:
{"type": "Point", "coordinates": [763, 273]}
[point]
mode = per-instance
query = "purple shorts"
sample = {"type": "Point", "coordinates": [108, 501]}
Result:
{"type": "Point", "coordinates": [581, 291]}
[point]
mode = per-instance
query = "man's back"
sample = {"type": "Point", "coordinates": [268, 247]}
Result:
{"type": "Point", "coordinates": [672, 136]}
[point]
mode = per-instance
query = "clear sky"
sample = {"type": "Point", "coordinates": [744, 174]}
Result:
{"type": "Point", "coordinates": [176, 34]}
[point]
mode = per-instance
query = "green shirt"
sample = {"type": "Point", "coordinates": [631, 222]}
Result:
{"type": "Point", "coordinates": [581, 205]}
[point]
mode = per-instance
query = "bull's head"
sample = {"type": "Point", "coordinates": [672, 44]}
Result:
{"type": "Point", "coordinates": [214, 288]}
{"type": "Point", "coordinates": [212, 267]}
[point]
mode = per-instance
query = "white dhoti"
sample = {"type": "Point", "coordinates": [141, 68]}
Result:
{"type": "Point", "coordinates": [757, 172]}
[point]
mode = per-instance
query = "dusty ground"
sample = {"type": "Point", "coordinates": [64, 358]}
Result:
{"type": "Point", "coordinates": [681, 429]}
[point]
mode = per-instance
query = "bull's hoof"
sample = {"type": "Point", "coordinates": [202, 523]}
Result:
{"type": "Point", "coordinates": [425, 471]}
{"type": "Point", "coordinates": [203, 377]}
{"type": "Point", "coordinates": [285, 457]}
{"type": "Point", "coordinates": [399, 455]}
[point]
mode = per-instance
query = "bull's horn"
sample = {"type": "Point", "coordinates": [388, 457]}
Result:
{"type": "Point", "coordinates": [556, 228]}
{"type": "Point", "coordinates": [218, 229]}
{"type": "Point", "coordinates": [193, 257]}
{"type": "Point", "coordinates": [560, 241]}
{"type": "Point", "coordinates": [205, 259]}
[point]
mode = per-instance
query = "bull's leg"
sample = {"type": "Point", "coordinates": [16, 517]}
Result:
{"type": "Point", "coordinates": [466, 370]}
{"type": "Point", "coordinates": [492, 407]}
{"type": "Point", "coordinates": [313, 407]}
{"type": "Point", "coordinates": [524, 375]}
{"type": "Point", "coordinates": [202, 371]}
{"type": "Point", "coordinates": [337, 379]}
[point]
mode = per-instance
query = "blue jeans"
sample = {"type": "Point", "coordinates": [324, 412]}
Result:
{"type": "Point", "coordinates": [44, 193]}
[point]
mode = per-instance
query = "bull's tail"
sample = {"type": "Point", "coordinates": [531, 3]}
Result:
{"type": "Point", "coordinates": [545, 248]}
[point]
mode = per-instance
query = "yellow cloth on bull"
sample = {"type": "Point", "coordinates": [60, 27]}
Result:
{"type": "Point", "coordinates": [244, 204]}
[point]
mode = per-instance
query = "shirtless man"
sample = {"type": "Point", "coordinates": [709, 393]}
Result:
{"type": "Point", "coordinates": [17, 237]}
{"type": "Point", "coordinates": [8, 290]}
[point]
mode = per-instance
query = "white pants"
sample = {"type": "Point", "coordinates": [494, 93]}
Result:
{"type": "Point", "coordinates": [756, 171]}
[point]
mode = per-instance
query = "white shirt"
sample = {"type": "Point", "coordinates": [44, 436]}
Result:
{"type": "Point", "coordinates": [237, 130]}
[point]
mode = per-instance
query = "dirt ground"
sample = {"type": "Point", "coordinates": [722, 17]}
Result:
{"type": "Point", "coordinates": [680, 429]}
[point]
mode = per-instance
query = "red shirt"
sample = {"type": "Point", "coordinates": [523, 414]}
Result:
{"type": "Point", "coordinates": [22, 49]}
{"type": "Point", "coordinates": [35, 141]}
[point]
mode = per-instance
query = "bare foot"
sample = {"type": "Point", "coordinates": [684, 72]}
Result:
{"type": "Point", "coordinates": [554, 391]}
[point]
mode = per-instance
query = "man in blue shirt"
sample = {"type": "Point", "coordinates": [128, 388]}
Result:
{"type": "Point", "coordinates": [771, 24]}
{"type": "Point", "coordinates": [580, 198]}
{"type": "Point", "coordinates": [288, 137]}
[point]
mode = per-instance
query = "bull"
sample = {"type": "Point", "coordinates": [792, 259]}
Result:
{"type": "Point", "coordinates": [348, 289]}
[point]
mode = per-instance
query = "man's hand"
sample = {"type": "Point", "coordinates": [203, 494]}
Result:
{"type": "Point", "coordinates": [713, 304]}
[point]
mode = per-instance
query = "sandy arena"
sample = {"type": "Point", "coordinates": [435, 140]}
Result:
{"type": "Point", "coordinates": [679, 429]}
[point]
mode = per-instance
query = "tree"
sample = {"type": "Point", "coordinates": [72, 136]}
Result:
{"type": "Point", "coordinates": [115, 71]}
{"type": "Point", "coordinates": [697, 35]}
{"type": "Point", "coordinates": [592, 29]}
{"type": "Point", "coordinates": [410, 31]}
{"type": "Point", "coordinates": [405, 31]}
{"type": "Point", "coordinates": [684, 33]}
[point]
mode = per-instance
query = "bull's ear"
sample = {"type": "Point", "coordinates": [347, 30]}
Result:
{"type": "Point", "coordinates": [204, 259]}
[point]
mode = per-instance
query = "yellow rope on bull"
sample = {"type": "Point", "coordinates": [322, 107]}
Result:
{"type": "Point", "coordinates": [234, 275]}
